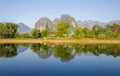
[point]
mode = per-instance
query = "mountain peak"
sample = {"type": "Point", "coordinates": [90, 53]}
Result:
{"type": "Point", "coordinates": [44, 23]}
{"type": "Point", "coordinates": [22, 29]}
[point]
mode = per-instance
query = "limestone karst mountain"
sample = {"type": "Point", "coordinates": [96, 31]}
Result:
{"type": "Point", "coordinates": [65, 18]}
{"type": "Point", "coordinates": [44, 23]}
{"type": "Point", "coordinates": [89, 23]}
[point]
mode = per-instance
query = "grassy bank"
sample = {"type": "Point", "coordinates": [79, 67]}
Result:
{"type": "Point", "coordinates": [60, 41]}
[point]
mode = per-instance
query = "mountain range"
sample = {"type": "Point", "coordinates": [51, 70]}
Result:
{"type": "Point", "coordinates": [45, 23]}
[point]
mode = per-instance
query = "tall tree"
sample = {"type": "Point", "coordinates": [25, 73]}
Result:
{"type": "Point", "coordinates": [62, 29]}
{"type": "Point", "coordinates": [97, 29]}
{"type": "Point", "coordinates": [44, 33]}
{"type": "Point", "coordinates": [112, 31]}
{"type": "Point", "coordinates": [78, 33]}
{"type": "Point", "coordinates": [34, 33]}
{"type": "Point", "coordinates": [85, 31]}
{"type": "Point", "coordinates": [1, 30]}
{"type": "Point", "coordinates": [10, 30]}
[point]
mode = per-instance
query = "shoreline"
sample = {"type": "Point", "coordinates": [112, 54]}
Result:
{"type": "Point", "coordinates": [73, 41]}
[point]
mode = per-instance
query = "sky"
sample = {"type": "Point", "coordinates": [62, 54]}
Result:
{"type": "Point", "coordinates": [30, 11]}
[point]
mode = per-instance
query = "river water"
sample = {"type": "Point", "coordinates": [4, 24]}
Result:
{"type": "Point", "coordinates": [59, 60]}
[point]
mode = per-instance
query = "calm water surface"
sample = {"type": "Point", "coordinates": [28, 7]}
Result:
{"type": "Point", "coordinates": [59, 60]}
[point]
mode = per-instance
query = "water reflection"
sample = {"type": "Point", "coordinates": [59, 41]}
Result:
{"type": "Point", "coordinates": [68, 52]}
{"type": "Point", "coordinates": [63, 52]}
{"type": "Point", "coordinates": [11, 50]}
{"type": "Point", "coordinates": [8, 50]}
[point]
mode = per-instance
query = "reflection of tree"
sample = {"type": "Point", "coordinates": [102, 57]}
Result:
{"type": "Point", "coordinates": [44, 47]}
{"type": "Point", "coordinates": [8, 50]}
{"type": "Point", "coordinates": [113, 50]}
{"type": "Point", "coordinates": [64, 52]}
{"type": "Point", "coordinates": [35, 47]}
{"type": "Point", "coordinates": [108, 49]}
{"type": "Point", "coordinates": [78, 48]}
{"type": "Point", "coordinates": [22, 47]}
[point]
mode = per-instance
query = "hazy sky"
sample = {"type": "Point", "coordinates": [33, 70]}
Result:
{"type": "Point", "coordinates": [29, 11]}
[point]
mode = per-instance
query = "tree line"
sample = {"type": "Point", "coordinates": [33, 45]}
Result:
{"type": "Point", "coordinates": [97, 31]}
{"type": "Point", "coordinates": [9, 30]}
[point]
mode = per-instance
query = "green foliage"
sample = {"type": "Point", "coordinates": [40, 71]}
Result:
{"type": "Point", "coordinates": [78, 33]}
{"type": "Point", "coordinates": [22, 35]}
{"type": "Point", "coordinates": [91, 34]}
{"type": "Point", "coordinates": [45, 47]}
{"type": "Point", "coordinates": [11, 29]}
{"type": "Point", "coordinates": [35, 47]}
{"type": "Point", "coordinates": [1, 30]}
{"type": "Point", "coordinates": [85, 31]}
{"type": "Point", "coordinates": [63, 52]}
{"type": "Point", "coordinates": [97, 29]}
{"type": "Point", "coordinates": [112, 31]}
{"type": "Point", "coordinates": [8, 30]}
{"type": "Point", "coordinates": [62, 29]}
{"type": "Point", "coordinates": [44, 33]}
{"type": "Point", "coordinates": [34, 33]}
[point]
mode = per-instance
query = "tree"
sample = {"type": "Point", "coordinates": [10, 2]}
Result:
{"type": "Point", "coordinates": [8, 30]}
{"type": "Point", "coordinates": [44, 33]}
{"type": "Point", "coordinates": [1, 30]}
{"type": "Point", "coordinates": [116, 29]}
{"type": "Point", "coordinates": [91, 34]}
{"type": "Point", "coordinates": [112, 31]}
{"type": "Point", "coordinates": [85, 31]}
{"type": "Point", "coordinates": [62, 29]}
{"type": "Point", "coordinates": [78, 33]}
{"type": "Point", "coordinates": [97, 29]}
{"type": "Point", "coordinates": [34, 33]}
{"type": "Point", "coordinates": [11, 29]}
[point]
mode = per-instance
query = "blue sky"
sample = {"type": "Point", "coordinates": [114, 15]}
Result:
{"type": "Point", "coordinates": [29, 11]}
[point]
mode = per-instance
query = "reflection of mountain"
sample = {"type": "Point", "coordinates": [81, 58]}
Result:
{"type": "Point", "coordinates": [66, 53]}
{"type": "Point", "coordinates": [43, 51]}
{"type": "Point", "coordinates": [62, 52]}
{"type": "Point", "coordinates": [44, 54]}
{"type": "Point", "coordinates": [21, 48]}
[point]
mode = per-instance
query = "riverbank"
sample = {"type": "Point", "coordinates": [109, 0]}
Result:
{"type": "Point", "coordinates": [72, 41]}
